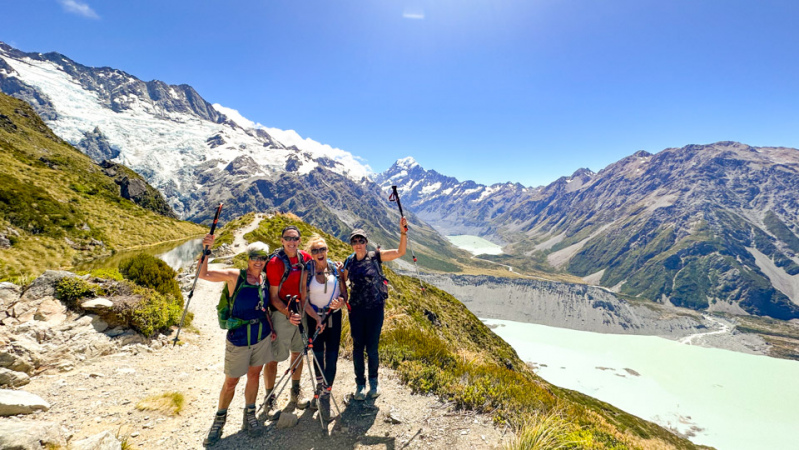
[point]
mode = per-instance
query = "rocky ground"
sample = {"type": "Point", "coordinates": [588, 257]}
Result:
{"type": "Point", "coordinates": [97, 394]}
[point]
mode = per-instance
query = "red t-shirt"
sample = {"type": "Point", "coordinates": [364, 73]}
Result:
{"type": "Point", "coordinates": [274, 272]}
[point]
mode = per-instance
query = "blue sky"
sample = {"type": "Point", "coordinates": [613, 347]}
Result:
{"type": "Point", "coordinates": [493, 91]}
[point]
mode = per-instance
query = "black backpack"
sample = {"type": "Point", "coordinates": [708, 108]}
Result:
{"type": "Point", "coordinates": [379, 284]}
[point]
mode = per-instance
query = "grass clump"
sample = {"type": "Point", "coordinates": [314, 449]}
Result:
{"type": "Point", "coordinates": [170, 403]}
{"type": "Point", "coordinates": [71, 290]}
{"type": "Point", "coordinates": [546, 432]}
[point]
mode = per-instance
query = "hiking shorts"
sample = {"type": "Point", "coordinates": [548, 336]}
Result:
{"type": "Point", "coordinates": [238, 359]}
{"type": "Point", "coordinates": [288, 337]}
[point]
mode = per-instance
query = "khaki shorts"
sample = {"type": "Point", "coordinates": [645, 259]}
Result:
{"type": "Point", "coordinates": [239, 359]}
{"type": "Point", "coordinates": [288, 339]}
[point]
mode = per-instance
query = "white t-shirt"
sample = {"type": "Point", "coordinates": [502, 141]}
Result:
{"type": "Point", "coordinates": [316, 291]}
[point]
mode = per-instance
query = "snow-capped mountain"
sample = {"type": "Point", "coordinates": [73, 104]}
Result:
{"type": "Point", "coordinates": [161, 131]}
{"type": "Point", "coordinates": [198, 154]}
{"type": "Point", "coordinates": [451, 206]}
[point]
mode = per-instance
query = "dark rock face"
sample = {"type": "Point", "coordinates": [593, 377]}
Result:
{"type": "Point", "coordinates": [96, 146]}
{"type": "Point", "coordinates": [134, 188]}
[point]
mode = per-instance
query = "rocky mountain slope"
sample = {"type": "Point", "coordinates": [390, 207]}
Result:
{"type": "Point", "coordinates": [708, 227]}
{"type": "Point", "coordinates": [58, 207]}
{"type": "Point", "coordinates": [198, 154]}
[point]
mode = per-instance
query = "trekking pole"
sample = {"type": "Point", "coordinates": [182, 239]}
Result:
{"type": "Point", "coordinates": [325, 385]}
{"type": "Point", "coordinates": [272, 398]}
{"type": "Point", "coordinates": [394, 197]}
{"type": "Point", "coordinates": [206, 252]}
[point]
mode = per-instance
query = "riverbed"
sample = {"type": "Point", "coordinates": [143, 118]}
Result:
{"type": "Point", "coordinates": [715, 397]}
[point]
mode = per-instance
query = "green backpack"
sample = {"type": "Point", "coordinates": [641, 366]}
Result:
{"type": "Point", "coordinates": [226, 302]}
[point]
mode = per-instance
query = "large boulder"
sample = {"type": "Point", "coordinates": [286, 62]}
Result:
{"type": "Point", "coordinates": [44, 286]}
{"type": "Point", "coordinates": [9, 293]}
{"type": "Point", "coordinates": [30, 435]}
{"type": "Point", "coordinates": [12, 378]}
{"type": "Point", "coordinates": [20, 402]}
{"type": "Point", "coordinates": [101, 441]}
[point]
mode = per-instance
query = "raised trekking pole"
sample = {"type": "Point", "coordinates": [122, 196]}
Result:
{"type": "Point", "coordinates": [396, 198]}
{"type": "Point", "coordinates": [206, 252]}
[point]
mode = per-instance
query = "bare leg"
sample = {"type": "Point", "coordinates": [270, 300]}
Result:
{"type": "Point", "coordinates": [251, 389]}
{"type": "Point", "coordinates": [228, 389]}
{"type": "Point", "coordinates": [298, 371]}
{"type": "Point", "coordinates": [270, 373]}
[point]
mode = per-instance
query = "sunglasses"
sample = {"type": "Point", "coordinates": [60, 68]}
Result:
{"type": "Point", "coordinates": [357, 241]}
{"type": "Point", "coordinates": [316, 251]}
{"type": "Point", "coordinates": [291, 238]}
{"type": "Point", "coordinates": [259, 258]}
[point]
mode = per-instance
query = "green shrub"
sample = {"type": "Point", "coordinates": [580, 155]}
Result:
{"type": "Point", "coordinates": [546, 432]}
{"type": "Point", "coordinates": [155, 312]}
{"type": "Point", "coordinates": [71, 289]}
{"type": "Point", "coordinates": [103, 273]}
{"type": "Point", "coordinates": [149, 271]}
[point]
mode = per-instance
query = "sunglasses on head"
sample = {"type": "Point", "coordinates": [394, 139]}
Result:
{"type": "Point", "coordinates": [316, 251]}
{"type": "Point", "coordinates": [258, 258]}
{"type": "Point", "coordinates": [358, 241]}
{"type": "Point", "coordinates": [291, 238]}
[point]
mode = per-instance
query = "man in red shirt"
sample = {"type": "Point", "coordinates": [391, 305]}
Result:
{"type": "Point", "coordinates": [281, 286]}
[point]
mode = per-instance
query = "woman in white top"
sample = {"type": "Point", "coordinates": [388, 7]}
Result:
{"type": "Point", "coordinates": [324, 293]}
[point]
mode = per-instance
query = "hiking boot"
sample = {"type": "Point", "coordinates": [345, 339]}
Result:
{"type": "Point", "coordinates": [295, 399]}
{"type": "Point", "coordinates": [374, 389]}
{"type": "Point", "coordinates": [250, 423]}
{"type": "Point", "coordinates": [359, 392]}
{"type": "Point", "coordinates": [314, 404]}
{"type": "Point", "coordinates": [216, 430]}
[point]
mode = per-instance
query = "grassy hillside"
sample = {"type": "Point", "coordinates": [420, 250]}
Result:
{"type": "Point", "coordinates": [439, 347]}
{"type": "Point", "coordinates": [57, 207]}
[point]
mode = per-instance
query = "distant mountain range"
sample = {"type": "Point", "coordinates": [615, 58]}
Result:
{"type": "Point", "coordinates": [705, 226]}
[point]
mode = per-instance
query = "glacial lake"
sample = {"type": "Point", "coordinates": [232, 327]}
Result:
{"type": "Point", "coordinates": [725, 399]}
{"type": "Point", "coordinates": [475, 244]}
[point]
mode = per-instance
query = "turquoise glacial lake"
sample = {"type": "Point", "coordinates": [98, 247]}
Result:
{"type": "Point", "coordinates": [725, 399]}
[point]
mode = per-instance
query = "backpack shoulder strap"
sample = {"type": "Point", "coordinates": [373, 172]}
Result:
{"type": "Point", "coordinates": [348, 261]}
{"type": "Point", "coordinates": [239, 283]}
{"type": "Point", "coordinates": [331, 266]}
{"type": "Point", "coordinates": [377, 261]}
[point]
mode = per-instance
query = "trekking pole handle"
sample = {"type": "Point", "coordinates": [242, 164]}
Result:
{"type": "Point", "coordinates": [207, 250]}
{"type": "Point", "coordinates": [395, 196]}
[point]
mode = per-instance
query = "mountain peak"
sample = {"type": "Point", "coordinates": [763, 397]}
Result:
{"type": "Point", "coordinates": [407, 162]}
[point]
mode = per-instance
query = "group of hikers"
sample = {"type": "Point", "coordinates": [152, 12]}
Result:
{"type": "Point", "coordinates": [293, 292]}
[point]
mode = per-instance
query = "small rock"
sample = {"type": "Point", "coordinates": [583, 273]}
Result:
{"type": "Point", "coordinates": [20, 402]}
{"type": "Point", "coordinates": [286, 420]}
{"type": "Point", "coordinates": [148, 425]}
{"type": "Point", "coordinates": [135, 434]}
{"type": "Point", "coordinates": [114, 332]}
{"type": "Point", "coordinates": [393, 418]}
{"type": "Point", "coordinates": [30, 435]}
{"type": "Point", "coordinates": [97, 303]}
{"type": "Point", "coordinates": [13, 378]}
{"type": "Point", "coordinates": [101, 441]}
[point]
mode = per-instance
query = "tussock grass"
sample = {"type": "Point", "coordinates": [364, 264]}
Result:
{"type": "Point", "coordinates": [169, 403]}
{"type": "Point", "coordinates": [546, 432]}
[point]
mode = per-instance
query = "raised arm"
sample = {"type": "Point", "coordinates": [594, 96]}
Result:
{"type": "Point", "coordinates": [216, 275]}
{"type": "Point", "coordinates": [394, 253]}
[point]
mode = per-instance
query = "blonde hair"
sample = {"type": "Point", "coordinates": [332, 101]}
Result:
{"type": "Point", "coordinates": [314, 240]}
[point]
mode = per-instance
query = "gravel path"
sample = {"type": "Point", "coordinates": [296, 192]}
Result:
{"type": "Point", "coordinates": [102, 394]}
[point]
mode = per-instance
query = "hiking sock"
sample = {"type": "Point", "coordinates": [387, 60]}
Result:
{"type": "Point", "coordinates": [268, 406]}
